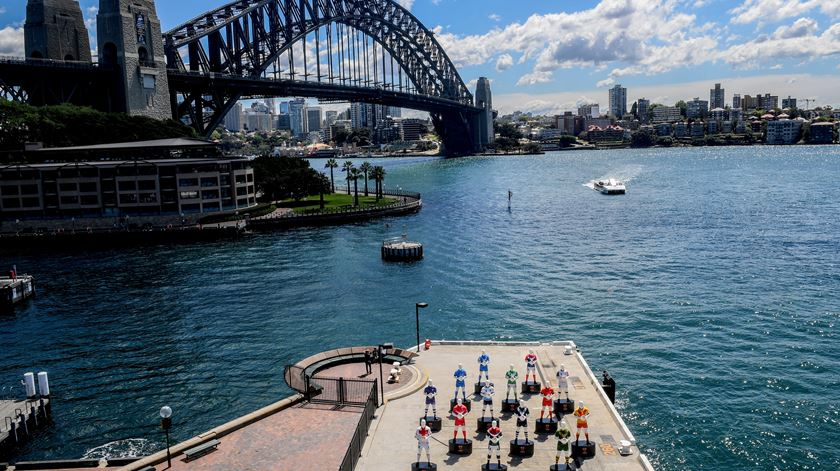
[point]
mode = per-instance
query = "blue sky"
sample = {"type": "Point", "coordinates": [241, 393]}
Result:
{"type": "Point", "coordinates": [548, 55]}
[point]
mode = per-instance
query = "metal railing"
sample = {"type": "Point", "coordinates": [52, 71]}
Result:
{"type": "Point", "coordinates": [341, 391]}
{"type": "Point", "coordinates": [411, 199]}
{"type": "Point", "coordinates": [354, 450]}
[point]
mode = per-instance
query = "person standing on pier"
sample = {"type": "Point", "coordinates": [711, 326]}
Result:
{"type": "Point", "coordinates": [368, 362]}
{"type": "Point", "coordinates": [13, 273]}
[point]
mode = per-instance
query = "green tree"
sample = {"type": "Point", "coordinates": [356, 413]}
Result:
{"type": "Point", "coordinates": [506, 144]}
{"type": "Point", "coordinates": [378, 177]}
{"type": "Point", "coordinates": [354, 175]}
{"type": "Point", "coordinates": [366, 167]}
{"type": "Point", "coordinates": [532, 148]}
{"type": "Point", "coordinates": [642, 138]}
{"type": "Point", "coordinates": [347, 168]}
{"type": "Point", "coordinates": [279, 178]}
{"type": "Point", "coordinates": [331, 164]}
{"type": "Point", "coordinates": [507, 130]}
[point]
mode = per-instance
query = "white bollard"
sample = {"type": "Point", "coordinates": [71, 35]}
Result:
{"type": "Point", "coordinates": [44, 384]}
{"type": "Point", "coordinates": [29, 384]}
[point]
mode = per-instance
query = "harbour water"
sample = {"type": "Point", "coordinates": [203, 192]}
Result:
{"type": "Point", "coordinates": [709, 291]}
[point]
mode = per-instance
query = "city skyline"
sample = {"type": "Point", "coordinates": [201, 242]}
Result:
{"type": "Point", "coordinates": [548, 59]}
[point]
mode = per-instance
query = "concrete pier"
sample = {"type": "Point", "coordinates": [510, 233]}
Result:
{"type": "Point", "coordinates": [21, 418]}
{"type": "Point", "coordinates": [391, 444]}
{"type": "Point", "coordinates": [13, 291]}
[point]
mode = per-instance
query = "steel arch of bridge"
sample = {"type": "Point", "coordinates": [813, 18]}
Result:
{"type": "Point", "coordinates": [213, 57]}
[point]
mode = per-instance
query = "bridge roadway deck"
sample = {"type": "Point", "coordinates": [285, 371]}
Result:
{"type": "Point", "coordinates": [391, 444]}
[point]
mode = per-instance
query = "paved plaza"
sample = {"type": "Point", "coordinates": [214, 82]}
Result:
{"type": "Point", "coordinates": [391, 445]}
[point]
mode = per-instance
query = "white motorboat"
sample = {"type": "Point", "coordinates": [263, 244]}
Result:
{"type": "Point", "coordinates": [610, 186]}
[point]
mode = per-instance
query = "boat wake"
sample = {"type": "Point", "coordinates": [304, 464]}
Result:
{"type": "Point", "coordinates": [624, 174]}
{"type": "Point", "coordinates": [123, 449]}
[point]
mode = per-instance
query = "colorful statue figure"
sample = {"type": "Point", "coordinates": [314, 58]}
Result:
{"type": "Point", "coordinates": [522, 414]}
{"type": "Point", "coordinates": [494, 434]}
{"type": "Point", "coordinates": [461, 381]}
{"type": "Point", "coordinates": [531, 364]}
{"type": "Point", "coordinates": [487, 393]}
{"type": "Point", "coordinates": [423, 434]}
{"type": "Point", "coordinates": [511, 376]}
{"type": "Point", "coordinates": [547, 393]}
{"type": "Point", "coordinates": [430, 391]}
{"type": "Point", "coordinates": [563, 381]}
{"type": "Point", "coordinates": [460, 413]}
{"type": "Point", "coordinates": [484, 366]}
{"type": "Point", "coordinates": [564, 436]}
{"type": "Point", "coordinates": [582, 414]}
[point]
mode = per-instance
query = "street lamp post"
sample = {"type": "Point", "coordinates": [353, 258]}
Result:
{"type": "Point", "coordinates": [417, 308]}
{"type": "Point", "coordinates": [166, 424]}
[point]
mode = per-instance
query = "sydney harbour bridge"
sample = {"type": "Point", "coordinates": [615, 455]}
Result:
{"type": "Point", "coordinates": [371, 51]}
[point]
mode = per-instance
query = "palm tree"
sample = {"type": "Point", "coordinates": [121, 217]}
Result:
{"type": "Point", "coordinates": [347, 167]}
{"type": "Point", "coordinates": [378, 177]}
{"type": "Point", "coordinates": [331, 164]}
{"type": "Point", "coordinates": [355, 174]}
{"type": "Point", "coordinates": [366, 167]}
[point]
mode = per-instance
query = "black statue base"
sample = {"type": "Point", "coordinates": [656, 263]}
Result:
{"type": "Point", "coordinates": [509, 405]}
{"type": "Point", "coordinates": [521, 447]}
{"type": "Point", "coordinates": [460, 446]}
{"type": "Point", "coordinates": [493, 467]}
{"type": "Point", "coordinates": [483, 423]}
{"type": "Point", "coordinates": [563, 407]}
{"type": "Point", "coordinates": [477, 388]}
{"type": "Point", "coordinates": [546, 425]}
{"type": "Point", "coordinates": [423, 466]}
{"type": "Point", "coordinates": [561, 467]}
{"type": "Point", "coordinates": [531, 387]}
{"type": "Point", "coordinates": [467, 403]}
{"type": "Point", "coordinates": [434, 423]}
{"type": "Point", "coordinates": [583, 450]}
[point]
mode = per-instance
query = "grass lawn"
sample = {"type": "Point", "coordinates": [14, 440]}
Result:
{"type": "Point", "coordinates": [333, 201]}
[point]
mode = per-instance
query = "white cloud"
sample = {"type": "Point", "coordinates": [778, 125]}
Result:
{"type": "Point", "coordinates": [771, 11]}
{"type": "Point", "coordinates": [605, 34]}
{"type": "Point", "coordinates": [495, 17]}
{"type": "Point", "coordinates": [504, 62]}
{"type": "Point", "coordinates": [801, 27]}
{"type": "Point", "coordinates": [777, 67]}
{"type": "Point", "coordinates": [11, 42]}
{"type": "Point", "coordinates": [786, 42]}
{"type": "Point", "coordinates": [436, 2]}
{"type": "Point", "coordinates": [607, 82]}
{"type": "Point", "coordinates": [535, 77]}
{"type": "Point", "coordinates": [407, 4]}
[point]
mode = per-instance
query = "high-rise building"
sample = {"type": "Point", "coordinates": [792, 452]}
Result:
{"type": "Point", "coordinates": [284, 122]}
{"type": "Point", "coordinates": [618, 101]}
{"type": "Point", "coordinates": [298, 117]}
{"type": "Point", "coordinates": [330, 117]}
{"type": "Point", "coordinates": [313, 118]}
{"type": "Point", "coordinates": [788, 102]}
{"type": "Point", "coordinates": [697, 109]}
{"type": "Point", "coordinates": [55, 29]}
{"type": "Point", "coordinates": [592, 110]}
{"type": "Point", "coordinates": [362, 115]}
{"type": "Point", "coordinates": [717, 98]}
{"type": "Point", "coordinates": [642, 107]}
{"type": "Point", "coordinates": [768, 101]}
{"type": "Point", "coordinates": [749, 103]}
{"type": "Point", "coordinates": [484, 100]}
{"type": "Point", "coordinates": [233, 119]}
{"type": "Point", "coordinates": [736, 101]}
{"type": "Point", "coordinates": [666, 114]}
